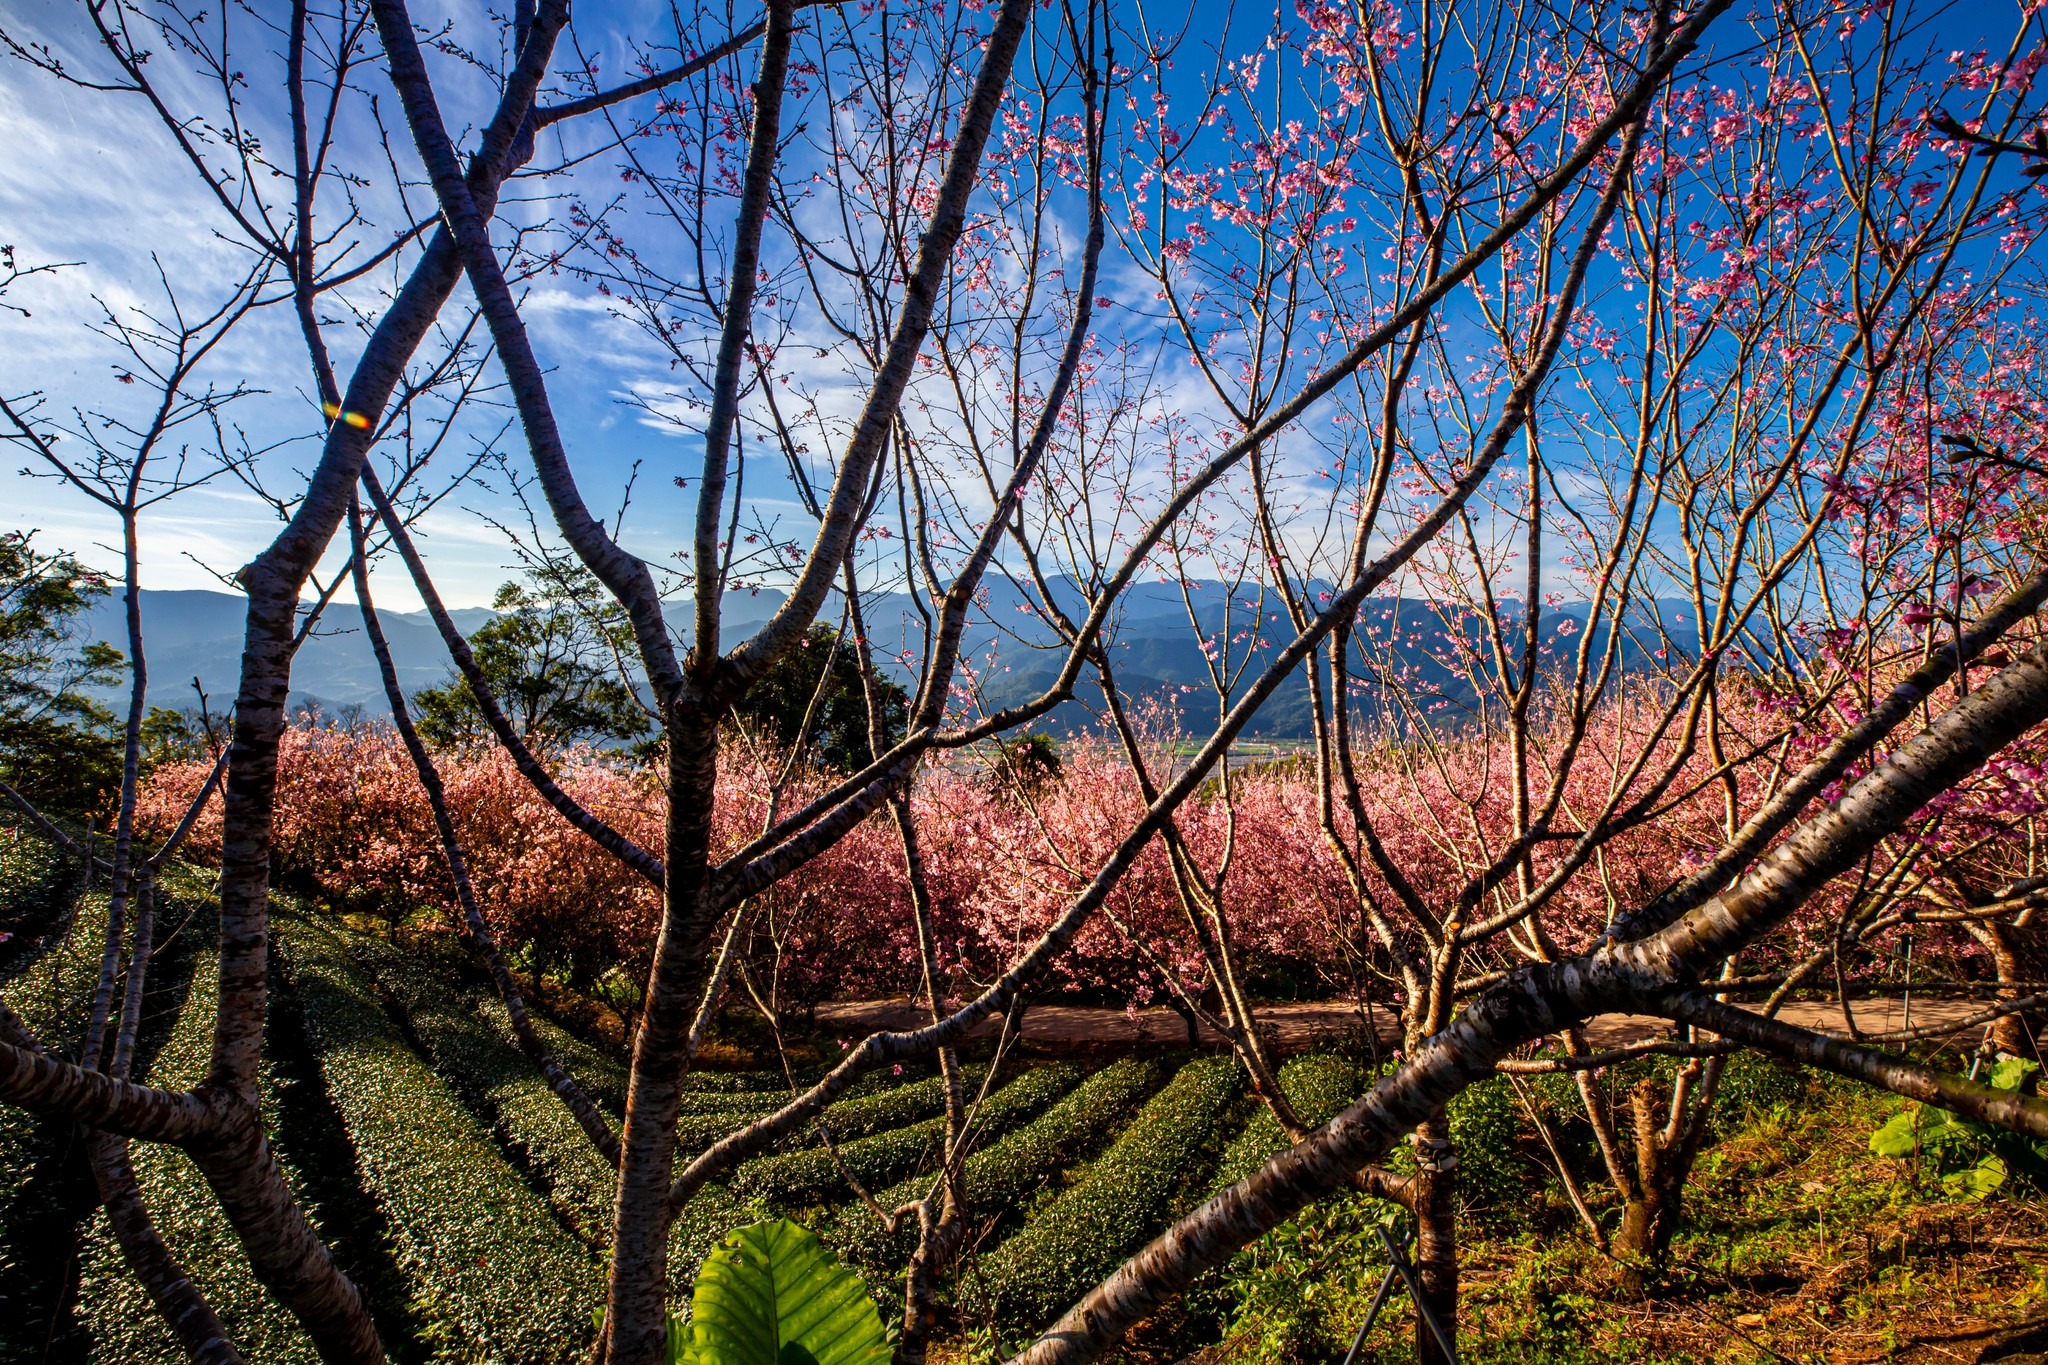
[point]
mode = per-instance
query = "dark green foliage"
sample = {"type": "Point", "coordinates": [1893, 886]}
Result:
{"type": "Point", "coordinates": [57, 744]}
{"type": "Point", "coordinates": [1026, 764]}
{"type": "Point", "coordinates": [493, 1273]}
{"type": "Point", "coordinates": [998, 1177]}
{"type": "Point", "coordinates": [1299, 1292]}
{"type": "Point", "coordinates": [550, 657]}
{"type": "Point", "coordinates": [1488, 1130]}
{"type": "Point", "coordinates": [1318, 1085]}
{"type": "Point", "coordinates": [45, 1191]}
{"type": "Point", "coordinates": [799, 1179]}
{"type": "Point", "coordinates": [861, 1115]}
{"type": "Point", "coordinates": [1753, 1085]}
{"type": "Point", "coordinates": [601, 1074]}
{"type": "Point", "coordinates": [1114, 1204]}
{"type": "Point", "coordinates": [38, 889]}
{"type": "Point", "coordinates": [502, 1088]}
{"type": "Point", "coordinates": [115, 1310]}
{"type": "Point", "coordinates": [838, 735]}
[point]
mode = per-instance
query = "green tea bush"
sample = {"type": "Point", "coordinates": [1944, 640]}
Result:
{"type": "Point", "coordinates": [812, 1176]}
{"type": "Point", "coordinates": [1118, 1200]}
{"type": "Point", "coordinates": [1300, 1292]}
{"type": "Point", "coordinates": [998, 1177]}
{"type": "Point", "coordinates": [602, 1075]}
{"type": "Point", "coordinates": [1317, 1084]}
{"type": "Point", "coordinates": [42, 1197]}
{"type": "Point", "coordinates": [855, 1118]}
{"type": "Point", "coordinates": [1488, 1129]}
{"type": "Point", "coordinates": [114, 1309]}
{"type": "Point", "coordinates": [493, 1274]}
{"type": "Point", "coordinates": [38, 887]}
{"type": "Point", "coordinates": [47, 994]}
{"type": "Point", "coordinates": [501, 1087]}
{"type": "Point", "coordinates": [1754, 1085]}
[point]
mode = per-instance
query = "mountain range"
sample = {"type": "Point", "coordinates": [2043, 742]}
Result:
{"type": "Point", "coordinates": [1154, 648]}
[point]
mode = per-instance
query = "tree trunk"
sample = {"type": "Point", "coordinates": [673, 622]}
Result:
{"type": "Point", "coordinates": [1436, 1244]}
{"type": "Point", "coordinates": [2019, 952]}
{"type": "Point", "coordinates": [1655, 1203]}
{"type": "Point", "coordinates": [635, 1321]}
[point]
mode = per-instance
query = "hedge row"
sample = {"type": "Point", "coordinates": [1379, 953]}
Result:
{"type": "Point", "coordinates": [1318, 1085]}
{"type": "Point", "coordinates": [38, 888]}
{"type": "Point", "coordinates": [797, 1180]}
{"type": "Point", "coordinates": [502, 1088]}
{"type": "Point", "coordinates": [849, 1119]}
{"type": "Point", "coordinates": [114, 1309]}
{"type": "Point", "coordinates": [997, 1178]}
{"type": "Point", "coordinates": [477, 1055]}
{"type": "Point", "coordinates": [49, 996]}
{"type": "Point", "coordinates": [601, 1074]}
{"type": "Point", "coordinates": [1158, 1164]}
{"type": "Point", "coordinates": [492, 1272]}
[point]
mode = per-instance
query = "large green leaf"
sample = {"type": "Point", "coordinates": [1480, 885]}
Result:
{"type": "Point", "coordinates": [1978, 1182]}
{"type": "Point", "coordinates": [772, 1294]}
{"type": "Point", "coordinates": [1900, 1134]}
{"type": "Point", "coordinates": [2011, 1072]}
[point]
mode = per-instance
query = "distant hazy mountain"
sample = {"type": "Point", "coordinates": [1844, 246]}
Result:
{"type": "Point", "coordinates": [1154, 647]}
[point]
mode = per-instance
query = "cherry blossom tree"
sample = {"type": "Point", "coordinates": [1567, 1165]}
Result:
{"type": "Point", "coordinates": [1550, 295]}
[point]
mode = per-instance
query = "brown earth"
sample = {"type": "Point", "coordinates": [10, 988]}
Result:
{"type": "Point", "coordinates": [1292, 1028]}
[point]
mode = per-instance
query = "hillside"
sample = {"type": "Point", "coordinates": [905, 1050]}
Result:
{"type": "Point", "coordinates": [1154, 648]}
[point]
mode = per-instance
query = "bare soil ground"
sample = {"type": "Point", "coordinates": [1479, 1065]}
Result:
{"type": "Point", "coordinates": [1295, 1028]}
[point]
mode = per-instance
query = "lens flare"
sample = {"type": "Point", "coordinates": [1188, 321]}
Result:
{"type": "Point", "coordinates": [354, 419]}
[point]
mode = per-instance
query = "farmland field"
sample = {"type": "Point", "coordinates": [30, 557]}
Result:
{"type": "Point", "coordinates": [1077, 1163]}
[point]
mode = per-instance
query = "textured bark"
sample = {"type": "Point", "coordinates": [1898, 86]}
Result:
{"type": "Point", "coordinates": [36, 1080]}
{"type": "Point", "coordinates": [1828, 766]}
{"type": "Point", "coordinates": [285, 1252]}
{"type": "Point", "coordinates": [757, 189]}
{"type": "Point", "coordinates": [467, 216]}
{"type": "Point", "coordinates": [192, 1319]}
{"type": "Point", "coordinates": [2017, 942]}
{"type": "Point", "coordinates": [1433, 1197]}
{"type": "Point", "coordinates": [634, 1315]}
{"type": "Point", "coordinates": [2006, 1109]}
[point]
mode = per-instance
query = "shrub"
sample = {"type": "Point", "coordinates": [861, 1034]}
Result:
{"type": "Point", "coordinates": [37, 890]}
{"type": "Point", "coordinates": [1300, 1292]}
{"type": "Point", "coordinates": [492, 1272]}
{"type": "Point", "coordinates": [114, 1309]}
{"type": "Point", "coordinates": [851, 1119]}
{"type": "Point", "coordinates": [1118, 1200]}
{"type": "Point", "coordinates": [1752, 1085]}
{"type": "Point", "coordinates": [1488, 1129]}
{"type": "Point", "coordinates": [602, 1075]}
{"type": "Point", "coordinates": [49, 991]}
{"type": "Point", "coordinates": [1318, 1085]}
{"type": "Point", "coordinates": [799, 1179]}
{"type": "Point", "coordinates": [998, 1177]}
{"type": "Point", "coordinates": [498, 1083]}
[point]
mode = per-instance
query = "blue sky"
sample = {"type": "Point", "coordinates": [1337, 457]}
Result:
{"type": "Point", "coordinates": [93, 179]}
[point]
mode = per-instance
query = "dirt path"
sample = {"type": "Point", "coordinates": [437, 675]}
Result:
{"type": "Point", "coordinates": [1295, 1028]}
